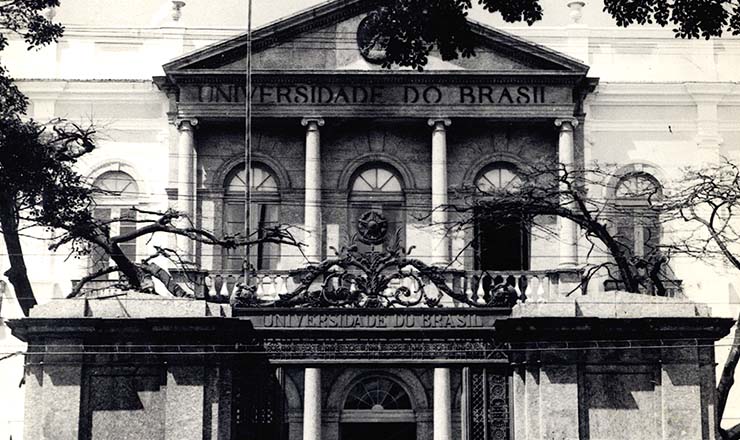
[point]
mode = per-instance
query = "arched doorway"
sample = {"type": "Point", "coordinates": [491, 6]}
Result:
{"type": "Point", "coordinates": [377, 407]}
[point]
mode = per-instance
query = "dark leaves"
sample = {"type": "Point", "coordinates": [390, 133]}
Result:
{"type": "Point", "coordinates": [414, 29]}
{"type": "Point", "coordinates": [36, 171]}
{"type": "Point", "coordinates": [690, 18]}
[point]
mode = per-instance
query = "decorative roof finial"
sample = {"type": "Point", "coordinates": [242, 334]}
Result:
{"type": "Point", "coordinates": [576, 11]}
{"type": "Point", "coordinates": [177, 6]}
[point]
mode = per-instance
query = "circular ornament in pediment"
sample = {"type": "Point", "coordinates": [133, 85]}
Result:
{"type": "Point", "coordinates": [372, 46]}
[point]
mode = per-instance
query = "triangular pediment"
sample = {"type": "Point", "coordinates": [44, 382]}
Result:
{"type": "Point", "coordinates": [324, 39]}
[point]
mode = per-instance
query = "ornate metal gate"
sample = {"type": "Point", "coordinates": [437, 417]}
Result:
{"type": "Point", "coordinates": [258, 404]}
{"type": "Point", "coordinates": [486, 404]}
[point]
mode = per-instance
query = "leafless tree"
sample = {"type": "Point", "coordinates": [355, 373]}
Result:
{"type": "Point", "coordinates": [707, 199]}
{"type": "Point", "coordinates": [138, 275]}
{"type": "Point", "coordinates": [532, 194]}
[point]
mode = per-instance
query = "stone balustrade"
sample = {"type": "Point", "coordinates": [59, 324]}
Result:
{"type": "Point", "coordinates": [476, 285]}
{"type": "Point", "coordinates": [530, 285]}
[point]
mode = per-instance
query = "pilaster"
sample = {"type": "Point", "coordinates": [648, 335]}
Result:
{"type": "Point", "coordinates": [707, 97]}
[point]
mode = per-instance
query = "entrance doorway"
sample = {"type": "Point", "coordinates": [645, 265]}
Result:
{"type": "Point", "coordinates": [378, 431]}
{"type": "Point", "coordinates": [377, 408]}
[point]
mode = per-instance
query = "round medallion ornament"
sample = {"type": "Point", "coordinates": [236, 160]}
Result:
{"type": "Point", "coordinates": [372, 227]}
{"type": "Point", "coordinates": [371, 45]}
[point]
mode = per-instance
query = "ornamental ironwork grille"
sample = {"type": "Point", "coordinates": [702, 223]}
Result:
{"type": "Point", "coordinates": [487, 415]}
{"type": "Point", "coordinates": [258, 404]}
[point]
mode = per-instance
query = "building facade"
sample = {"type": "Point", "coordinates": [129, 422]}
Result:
{"type": "Point", "coordinates": [479, 333]}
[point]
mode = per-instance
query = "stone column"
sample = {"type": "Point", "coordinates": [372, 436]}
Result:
{"type": "Point", "coordinates": [440, 240]}
{"type": "Point", "coordinates": [442, 405]}
{"type": "Point", "coordinates": [312, 213]}
{"type": "Point", "coordinates": [186, 182]}
{"type": "Point", "coordinates": [312, 404]}
{"type": "Point", "coordinates": [568, 235]}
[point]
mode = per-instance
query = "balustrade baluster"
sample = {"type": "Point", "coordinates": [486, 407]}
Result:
{"type": "Point", "coordinates": [259, 291]}
{"type": "Point", "coordinates": [279, 286]}
{"type": "Point", "coordinates": [481, 292]}
{"type": "Point", "coordinates": [519, 281]}
{"type": "Point", "coordinates": [541, 293]}
{"type": "Point", "coordinates": [468, 291]}
{"type": "Point", "coordinates": [269, 288]}
{"type": "Point", "coordinates": [530, 289]}
{"type": "Point", "coordinates": [208, 287]}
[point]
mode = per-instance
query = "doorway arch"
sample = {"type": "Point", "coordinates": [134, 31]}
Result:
{"type": "Point", "coordinates": [377, 406]}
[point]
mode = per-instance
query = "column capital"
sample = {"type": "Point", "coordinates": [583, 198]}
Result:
{"type": "Point", "coordinates": [185, 123]}
{"type": "Point", "coordinates": [439, 122]}
{"type": "Point", "coordinates": [313, 122]}
{"type": "Point", "coordinates": [566, 124]}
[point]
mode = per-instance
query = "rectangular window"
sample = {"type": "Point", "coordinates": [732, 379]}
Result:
{"type": "Point", "coordinates": [639, 233]}
{"type": "Point", "coordinates": [501, 245]}
{"type": "Point", "coordinates": [262, 216]}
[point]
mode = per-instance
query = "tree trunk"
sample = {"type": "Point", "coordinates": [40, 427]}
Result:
{"type": "Point", "coordinates": [727, 379]}
{"type": "Point", "coordinates": [17, 274]}
{"type": "Point", "coordinates": [615, 249]}
{"type": "Point", "coordinates": [128, 268]}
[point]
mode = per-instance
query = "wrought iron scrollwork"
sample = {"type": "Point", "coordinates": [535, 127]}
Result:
{"type": "Point", "coordinates": [379, 279]}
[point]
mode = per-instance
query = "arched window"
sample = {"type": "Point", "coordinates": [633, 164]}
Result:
{"type": "Point", "coordinates": [500, 244]}
{"type": "Point", "coordinates": [638, 226]}
{"type": "Point", "coordinates": [498, 176]}
{"type": "Point", "coordinates": [376, 180]}
{"type": "Point", "coordinates": [116, 192]}
{"type": "Point", "coordinates": [377, 394]}
{"type": "Point", "coordinates": [116, 184]}
{"type": "Point", "coordinates": [377, 188]}
{"type": "Point", "coordinates": [263, 214]}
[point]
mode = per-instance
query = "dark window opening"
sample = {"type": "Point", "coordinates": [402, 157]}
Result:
{"type": "Point", "coordinates": [501, 245]}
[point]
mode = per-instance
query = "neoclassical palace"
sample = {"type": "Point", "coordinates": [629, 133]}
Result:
{"type": "Point", "coordinates": [387, 322]}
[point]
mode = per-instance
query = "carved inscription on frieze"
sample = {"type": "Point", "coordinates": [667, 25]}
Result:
{"type": "Point", "coordinates": [398, 321]}
{"type": "Point", "coordinates": [315, 94]}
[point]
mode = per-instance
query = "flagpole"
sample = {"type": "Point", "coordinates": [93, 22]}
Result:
{"type": "Point", "coordinates": [248, 148]}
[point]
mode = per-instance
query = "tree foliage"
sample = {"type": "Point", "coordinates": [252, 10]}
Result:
{"type": "Point", "coordinates": [38, 186]}
{"type": "Point", "coordinates": [411, 29]}
{"type": "Point", "coordinates": [25, 18]}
